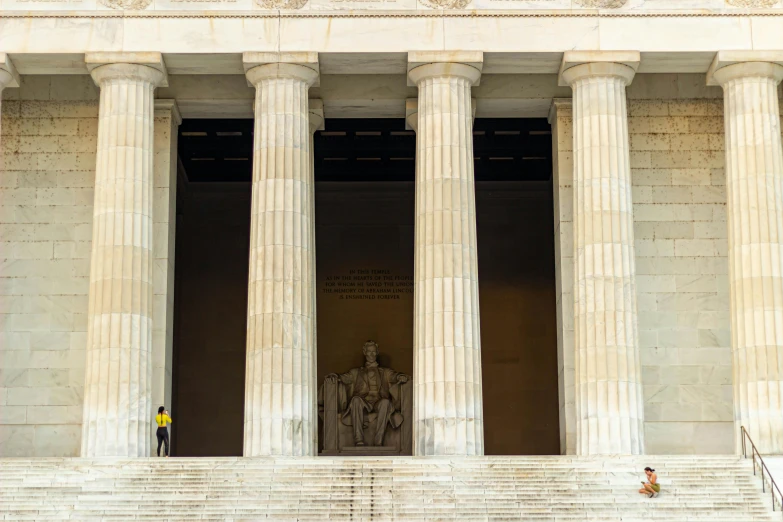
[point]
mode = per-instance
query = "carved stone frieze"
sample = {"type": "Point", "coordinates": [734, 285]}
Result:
{"type": "Point", "coordinates": [446, 4]}
{"type": "Point", "coordinates": [752, 3]}
{"type": "Point", "coordinates": [128, 5]}
{"type": "Point", "coordinates": [281, 4]}
{"type": "Point", "coordinates": [601, 4]}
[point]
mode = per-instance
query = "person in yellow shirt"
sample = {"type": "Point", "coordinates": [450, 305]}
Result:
{"type": "Point", "coordinates": [162, 418]}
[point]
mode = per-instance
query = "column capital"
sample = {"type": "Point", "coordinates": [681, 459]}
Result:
{"type": "Point", "coordinates": [168, 107]}
{"type": "Point", "coordinates": [8, 75]}
{"type": "Point", "coordinates": [136, 65]}
{"type": "Point", "coordinates": [426, 64]}
{"type": "Point", "coordinates": [316, 114]}
{"type": "Point", "coordinates": [299, 65]}
{"type": "Point", "coordinates": [730, 65]}
{"type": "Point", "coordinates": [577, 65]}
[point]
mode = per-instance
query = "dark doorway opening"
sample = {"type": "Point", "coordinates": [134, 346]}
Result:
{"type": "Point", "coordinates": [212, 249]}
{"type": "Point", "coordinates": [364, 172]}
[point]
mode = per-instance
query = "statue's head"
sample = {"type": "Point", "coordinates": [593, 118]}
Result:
{"type": "Point", "coordinates": [370, 350]}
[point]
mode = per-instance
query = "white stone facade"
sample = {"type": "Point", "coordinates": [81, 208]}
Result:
{"type": "Point", "coordinates": [49, 149]}
{"type": "Point", "coordinates": [666, 340]}
{"type": "Point", "coordinates": [677, 161]}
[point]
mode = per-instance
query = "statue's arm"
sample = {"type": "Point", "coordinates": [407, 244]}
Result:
{"type": "Point", "coordinates": [345, 378]}
{"type": "Point", "coordinates": [395, 377]}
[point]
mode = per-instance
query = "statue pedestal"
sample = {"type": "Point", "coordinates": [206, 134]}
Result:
{"type": "Point", "coordinates": [364, 451]}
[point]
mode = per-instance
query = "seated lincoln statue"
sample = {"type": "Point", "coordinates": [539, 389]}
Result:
{"type": "Point", "coordinates": [365, 399]}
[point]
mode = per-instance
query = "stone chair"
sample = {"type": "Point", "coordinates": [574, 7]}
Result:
{"type": "Point", "coordinates": [338, 438]}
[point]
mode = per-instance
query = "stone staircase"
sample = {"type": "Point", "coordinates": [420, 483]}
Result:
{"type": "Point", "coordinates": [695, 488]}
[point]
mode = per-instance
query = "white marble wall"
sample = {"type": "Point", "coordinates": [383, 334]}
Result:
{"type": "Point", "coordinates": [675, 125]}
{"type": "Point", "coordinates": [49, 138]}
{"type": "Point", "coordinates": [49, 141]}
{"type": "Point", "coordinates": [682, 274]}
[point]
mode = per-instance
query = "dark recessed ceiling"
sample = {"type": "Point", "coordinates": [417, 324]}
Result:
{"type": "Point", "coordinates": [369, 149]}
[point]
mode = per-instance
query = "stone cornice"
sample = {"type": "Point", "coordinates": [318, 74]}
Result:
{"type": "Point", "coordinates": [522, 13]}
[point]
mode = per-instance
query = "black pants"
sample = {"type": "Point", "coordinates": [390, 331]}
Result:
{"type": "Point", "coordinates": [163, 436]}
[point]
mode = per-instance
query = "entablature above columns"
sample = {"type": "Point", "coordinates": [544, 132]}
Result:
{"type": "Point", "coordinates": [369, 63]}
{"type": "Point", "coordinates": [513, 42]}
{"type": "Point", "coordinates": [376, 84]}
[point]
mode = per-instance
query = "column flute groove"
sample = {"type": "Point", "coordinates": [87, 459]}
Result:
{"type": "Point", "coordinates": [447, 414]}
{"type": "Point", "coordinates": [280, 380]}
{"type": "Point", "coordinates": [117, 391]}
{"type": "Point", "coordinates": [754, 184]}
{"type": "Point", "coordinates": [609, 400]}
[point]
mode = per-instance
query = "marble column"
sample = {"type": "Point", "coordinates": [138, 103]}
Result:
{"type": "Point", "coordinates": [754, 184]}
{"type": "Point", "coordinates": [280, 388]}
{"type": "Point", "coordinates": [8, 78]}
{"type": "Point", "coordinates": [447, 412]}
{"type": "Point", "coordinates": [117, 391]}
{"type": "Point", "coordinates": [609, 400]}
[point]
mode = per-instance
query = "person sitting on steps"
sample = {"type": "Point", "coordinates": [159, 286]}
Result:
{"type": "Point", "coordinates": [651, 487]}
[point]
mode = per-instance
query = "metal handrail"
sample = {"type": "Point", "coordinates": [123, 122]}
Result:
{"type": "Point", "coordinates": [763, 467]}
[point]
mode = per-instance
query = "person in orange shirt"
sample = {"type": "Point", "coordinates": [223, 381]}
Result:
{"type": "Point", "coordinates": [162, 418]}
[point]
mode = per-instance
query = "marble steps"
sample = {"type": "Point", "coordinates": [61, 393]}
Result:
{"type": "Point", "coordinates": [641, 517]}
{"type": "Point", "coordinates": [194, 507]}
{"type": "Point", "coordinates": [303, 462]}
{"type": "Point", "coordinates": [264, 476]}
{"type": "Point", "coordinates": [313, 489]}
{"type": "Point", "coordinates": [548, 489]}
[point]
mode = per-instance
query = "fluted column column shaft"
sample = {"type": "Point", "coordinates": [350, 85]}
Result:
{"type": "Point", "coordinates": [754, 183]}
{"type": "Point", "coordinates": [447, 413]}
{"type": "Point", "coordinates": [280, 384]}
{"type": "Point", "coordinates": [609, 400]}
{"type": "Point", "coordinates": [117, 390]}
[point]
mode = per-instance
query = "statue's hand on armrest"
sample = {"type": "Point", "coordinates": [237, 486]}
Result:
{"type": "Point", "coordinates": [332, 378]}
{"type": "Point", "coordinates": [402, 379]}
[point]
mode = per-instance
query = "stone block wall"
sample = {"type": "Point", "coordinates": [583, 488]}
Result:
{"type": "Point", "coordinates": [46, 192]}
{"type": "Point", "coordinates": [677, 159]}
{"type": "Point", "coordinates": [49, 139]}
